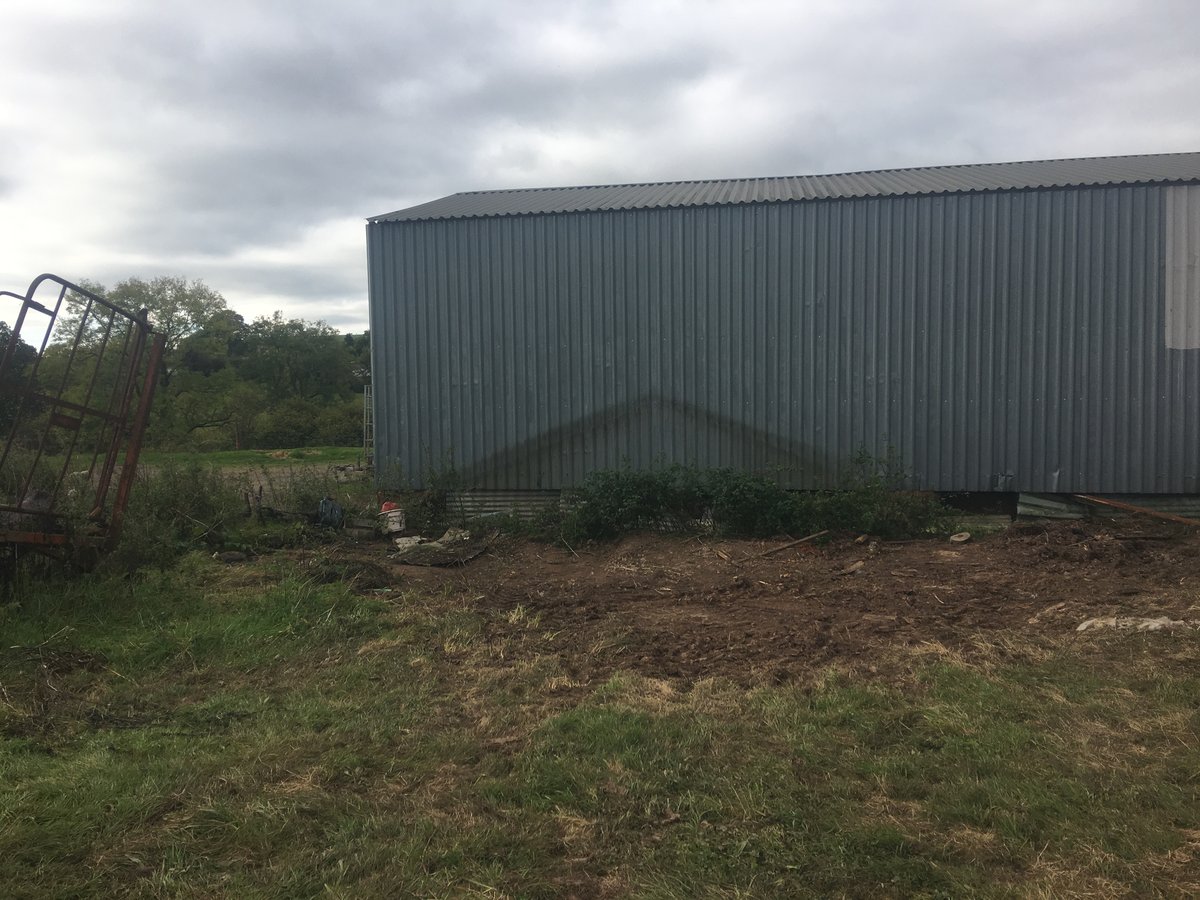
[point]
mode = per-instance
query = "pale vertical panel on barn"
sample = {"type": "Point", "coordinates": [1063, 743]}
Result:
{"type": "Point", "coordinates": [1183, 267]}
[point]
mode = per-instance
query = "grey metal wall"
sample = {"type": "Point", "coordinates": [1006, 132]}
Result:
{"type": "Point", "coordinates": [1002, 341]}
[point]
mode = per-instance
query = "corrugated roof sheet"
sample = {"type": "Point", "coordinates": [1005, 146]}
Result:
{"type": "Point", "coordinates": [1164, 167]}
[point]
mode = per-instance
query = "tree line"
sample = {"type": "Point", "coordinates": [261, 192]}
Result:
{"type": "Point", "coordinates": [226, 383]}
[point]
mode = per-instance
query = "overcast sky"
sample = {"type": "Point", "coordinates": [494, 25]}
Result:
{"type": "Point", "coordinates": [244, 143]}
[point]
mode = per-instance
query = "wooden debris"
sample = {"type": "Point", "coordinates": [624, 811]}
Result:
{"type": "Point", "coordinates": [783, 547]}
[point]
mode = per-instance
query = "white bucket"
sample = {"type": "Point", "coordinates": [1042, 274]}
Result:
{"type": "Point", "coordinates": [391, 521]}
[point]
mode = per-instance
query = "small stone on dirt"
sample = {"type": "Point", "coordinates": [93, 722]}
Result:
{"type": "Point", "coordinates": [853, 567]}
{"type": "Point", "coordinates": [960, 538]}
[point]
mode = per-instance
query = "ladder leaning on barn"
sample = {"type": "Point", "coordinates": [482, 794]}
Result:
{"type": "Point", "coordinates": [368, 427]}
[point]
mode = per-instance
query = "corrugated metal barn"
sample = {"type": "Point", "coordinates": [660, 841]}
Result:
{"type": "Point", "coordinates": [1027, 326]}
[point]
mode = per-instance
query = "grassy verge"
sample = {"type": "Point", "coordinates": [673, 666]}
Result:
{"type": "Point", "coordinates": [314, 456]}
{"type": "Point", "coordinates": [261, 731]}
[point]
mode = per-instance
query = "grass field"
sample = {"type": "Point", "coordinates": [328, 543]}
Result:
{"type": "Point", "coordinates": [270, 730]}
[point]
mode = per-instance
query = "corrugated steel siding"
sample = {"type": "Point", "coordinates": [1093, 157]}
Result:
{"type": "Point", "coordinates": [1003, 341]}
{"type": "Point", "coordinates": [1109, 170]}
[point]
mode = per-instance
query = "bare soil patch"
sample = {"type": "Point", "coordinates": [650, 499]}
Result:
{"type": "Point", "coordinates": [671, 607]}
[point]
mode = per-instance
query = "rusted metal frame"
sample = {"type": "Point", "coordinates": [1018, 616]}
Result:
{"type": "Point", "coordinates": [27, 303]}
{"type": "Point", "coordinates": [62, 386]}
{"type": "Point", "coordinates": [45, 514]}
{"type": "Point", "coordinates": [51, 400]}
{"type": "Point", "coordinates": [110, 415]}
{"type": "Point", "coordinates": [124, 386]}
{"type": "Point", "coordinates": [110, 432]}
{"type": "Point", "coordinates": [137, 432]}
{"type": "Point", "coordinates": [107, 304]}
{"type": "Point", "coordinates": [109, 438]}
{"type": "Point", "coordinates": [110, 461]}
{"type": "Point", "coordinates": [33, 537]}
{"type": "Point", "coordinates": [137, 327]}
{"type": "Point", "coordinates": [30, 303]}
{"type": "Point", "coordinates": [84, 408]}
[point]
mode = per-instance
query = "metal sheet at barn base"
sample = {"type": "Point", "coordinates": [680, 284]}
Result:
{"type": "Point", "coordinates": [1009, 341]}
{"type": "Point", "coordinates": [526, 504]}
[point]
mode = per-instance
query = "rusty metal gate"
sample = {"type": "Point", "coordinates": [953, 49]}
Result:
{"type": "Point", "coordinates": [76, 382]}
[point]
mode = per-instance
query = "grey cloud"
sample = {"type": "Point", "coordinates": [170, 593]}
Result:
{"type": "Point", "coordinates": [310, 286]}
{"type": "Point", "coordinates": [247, 125]}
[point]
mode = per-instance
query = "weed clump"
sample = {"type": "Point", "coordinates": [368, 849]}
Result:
{"type": "Point", "coordinates": [175, 509]}
{"type": "Point", "coordinates": [427, 509]}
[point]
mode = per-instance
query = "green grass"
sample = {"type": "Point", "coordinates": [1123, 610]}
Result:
{"type": "Point", "coordinates": [316, 456]}
{"type": "Point", "coordinates": [248, 732]}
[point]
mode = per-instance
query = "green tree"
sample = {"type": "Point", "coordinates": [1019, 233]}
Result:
{"type": "Point", "coordinates": [213, 347]}
{"type": "Point", "coordinates": [225, 383]}
{"type": "Point", "coordinates": [295, 358]}
{"type": "Point", "coordinates": [177, 309]}
{"type": "Point", "coordinates": [291, 422]}
{"type": "Point", "coordinates": [359, 348]}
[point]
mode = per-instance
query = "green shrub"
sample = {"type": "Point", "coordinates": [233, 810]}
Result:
{"type": "Point", "coordinates": [612, 502]}
{"type": "Point", "coordinates": [872, 500]}
{"type": "Point", "coordinates": [754, 506]}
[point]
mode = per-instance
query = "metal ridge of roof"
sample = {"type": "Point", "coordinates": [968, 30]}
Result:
{"type": "Point", "coordinates": [967, 178]}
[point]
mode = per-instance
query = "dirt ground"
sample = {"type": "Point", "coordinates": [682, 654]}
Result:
{"type": "Point", "coordinates": [690, 608]}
